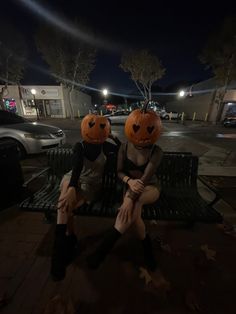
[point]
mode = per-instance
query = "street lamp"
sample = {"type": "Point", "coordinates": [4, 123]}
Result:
{"type": "Point", "coordinates": [33, 92]}
{"type": "Point", "coordinates": [105, 92]}
{"type": "Point", "coordinates": [182, 93]}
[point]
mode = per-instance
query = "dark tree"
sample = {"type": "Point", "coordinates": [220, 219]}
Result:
{"type": "Point", "coordinates": [13, 54]}
{"type": "Point", "coordinates": [219, 54]}
{"type": "Point", "coordinates": [71, 61]}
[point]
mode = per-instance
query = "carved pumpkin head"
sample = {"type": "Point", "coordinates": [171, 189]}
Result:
{"type": "Point", "coordinates": [143, 127]}
{"type": "Point", "coordinates": [95, 129]}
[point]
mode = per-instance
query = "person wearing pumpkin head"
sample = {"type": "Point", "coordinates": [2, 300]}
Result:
{"type": "Point", "coordinates": [81, 185]}
{"type": "Point", "coordinates": [138, 160]}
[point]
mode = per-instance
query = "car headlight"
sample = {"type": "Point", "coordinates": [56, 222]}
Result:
{"type": "Point", "coordinates": [38, 136]}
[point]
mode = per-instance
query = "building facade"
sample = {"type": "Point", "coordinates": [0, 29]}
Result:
{"type": "Point", "coordinates": [49, 101]}
{"type": "Point", "coordinates": [199, 101]}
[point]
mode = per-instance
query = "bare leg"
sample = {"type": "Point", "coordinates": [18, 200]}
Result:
{"type": "Point", "coordinates": [149, 196]}
{"type": "Point", "coordinates": [63, 217]}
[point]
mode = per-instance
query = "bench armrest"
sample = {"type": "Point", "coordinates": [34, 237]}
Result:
{"type": "Point", "coordinates": [213, 189]}
{"type": "Point", "coordinates": [35, 176]}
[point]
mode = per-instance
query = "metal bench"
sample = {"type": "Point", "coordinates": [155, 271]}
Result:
{"type": "Point", "coordinates": [179, 200]}
{"type": "Point", "coordinates": [11, 189]}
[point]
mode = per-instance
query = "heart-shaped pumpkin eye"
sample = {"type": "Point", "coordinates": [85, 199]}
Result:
{"type": "Point", "coordinates": [91, 124]}
{"type": "Point", "coordinates": [136, 128]}
{"type": "Point", "coordinates": [150, 129]}
{"type": "Point", "coordinates": [102, 125]}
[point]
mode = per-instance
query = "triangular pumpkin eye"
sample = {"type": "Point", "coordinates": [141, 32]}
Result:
{"type": "Point", "coordinates": [102, 125]}
{"type": "Point", "coordinates": [136, 128]}
{"type": "Point", "coordinates": [150, 129]}
{"type": "Point", "coordinates": [91, 124]}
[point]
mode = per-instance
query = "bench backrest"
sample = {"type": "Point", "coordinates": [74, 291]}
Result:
{"type": "Point", "coordinates": [177, 169]}
{"type": "Point", "coordinates": [60, 162]}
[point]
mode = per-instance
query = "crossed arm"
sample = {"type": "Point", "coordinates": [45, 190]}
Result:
{"type": "Point", "coordinates": [136, 186]}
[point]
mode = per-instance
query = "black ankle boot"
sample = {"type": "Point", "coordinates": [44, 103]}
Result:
{"type": "Point", "coordinates": [72, 248]}
{"type": "Point", "coordinates": [59, 254]}
{"type": "Point", "coordinates": [148, 254]}
{"type": "Point", "coordinates": [64, 251]}
{"type": "Point", "coordinates": [94, 260]}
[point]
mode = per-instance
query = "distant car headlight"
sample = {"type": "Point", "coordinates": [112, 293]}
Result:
{"type": "Point", "coordinates": [39, 136]}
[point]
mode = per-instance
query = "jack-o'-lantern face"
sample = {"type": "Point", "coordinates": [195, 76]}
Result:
{"type": "Point", "coordinates": [143, 128]}
{"type": "Point", "coordinates": [95, 129]}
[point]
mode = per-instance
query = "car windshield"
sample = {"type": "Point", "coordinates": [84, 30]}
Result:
{"type": "Point", "coordinates": [11, 118]}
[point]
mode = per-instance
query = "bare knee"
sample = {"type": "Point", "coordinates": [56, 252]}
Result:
{"type": "Point", "coordinates": [149, 195]}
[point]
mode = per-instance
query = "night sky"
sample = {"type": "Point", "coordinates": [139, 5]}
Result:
{"type": "Point", "coordinates": [176, 32]}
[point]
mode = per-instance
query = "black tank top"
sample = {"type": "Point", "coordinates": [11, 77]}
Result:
{"type": "Point", "coordinates": [129, 165]}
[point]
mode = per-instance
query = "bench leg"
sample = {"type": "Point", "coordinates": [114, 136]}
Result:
{"type": "Point", "coordinates": [48, 217]}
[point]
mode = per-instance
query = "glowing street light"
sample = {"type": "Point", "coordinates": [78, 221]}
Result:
{"type": "Point", "coordinates": [105, 92]}
{"type": "Point", "coordinates": [33, 91]}
{"type": "Point", "coordinates": [182, 93]}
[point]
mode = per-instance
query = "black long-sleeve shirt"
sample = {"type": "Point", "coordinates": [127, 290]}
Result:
{"type": "Point", "coordinates": [91, 152]}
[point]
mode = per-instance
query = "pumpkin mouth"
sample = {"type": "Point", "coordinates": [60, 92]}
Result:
{"type": "Point", "coordinates": [92, 138]}
{"type": "Point", "coordinates": [144, 140]}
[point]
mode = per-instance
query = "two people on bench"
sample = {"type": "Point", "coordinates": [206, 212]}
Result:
{"type": "Point", "coordinates": [137, 164]}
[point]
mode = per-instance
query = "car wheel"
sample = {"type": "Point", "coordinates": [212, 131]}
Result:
{"type": "Point", "coordinates": [167, 117]}
{"type": "Point", "coordinates": [20, 149]}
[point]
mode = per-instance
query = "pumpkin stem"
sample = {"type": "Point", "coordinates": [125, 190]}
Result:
{"type": "Point", "coordinates": [144, 109]}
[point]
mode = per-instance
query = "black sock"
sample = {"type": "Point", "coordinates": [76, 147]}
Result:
{"type": "Point", "coordinates": [148, 253]}
{"type": "Point", "coordinates": [105, 247]}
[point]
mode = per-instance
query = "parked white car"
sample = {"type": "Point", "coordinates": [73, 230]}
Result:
{"type": "Point", "coordinates": [118, 117]}
{"type": "Point", "coordinates": [169, 115]}
{"type": "Point", "coordinates": [30, 137]}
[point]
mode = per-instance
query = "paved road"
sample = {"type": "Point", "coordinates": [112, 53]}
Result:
{"type": "Point", "coordinates": [215, 145]}
{"type": "Point", "coordinates": [218, 142]}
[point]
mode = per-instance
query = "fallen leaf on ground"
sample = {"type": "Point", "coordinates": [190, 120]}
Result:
{"type": "Point", "coordinates": [228, 229]}
{"type": "Point", "coordinates": [210, 254]}
{"type": "Point", "coordinates": [153, 222]}
{"type": "Point", "coordinates": [191, 301]}
{"type": "Point", "coordinates": [59, 304]}
{"type": "Point", "coordinates": [155, 280]}
{"type": "Point", "coordinates": [144, 274]}
{"type": "Point", "coordinates": [166, 248]}
{"type": "Point", "coordinates": [160, 283]}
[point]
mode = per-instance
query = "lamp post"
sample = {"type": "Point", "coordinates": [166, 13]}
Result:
{"type": "Point", "coordinates": [105, 93]}
{"type": "Point", "coordinates": [33, 92]}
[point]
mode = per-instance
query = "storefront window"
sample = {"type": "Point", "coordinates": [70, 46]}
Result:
{"type": "Point", "coordinates": [29, 108]}
{"type": "Point", "coordinates": [55, 107]}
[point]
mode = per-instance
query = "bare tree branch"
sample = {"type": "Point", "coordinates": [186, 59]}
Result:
{"type": "Point", "coordinates": [144, 69]}
{"type": "Point", "coordinates": [70, 60]}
